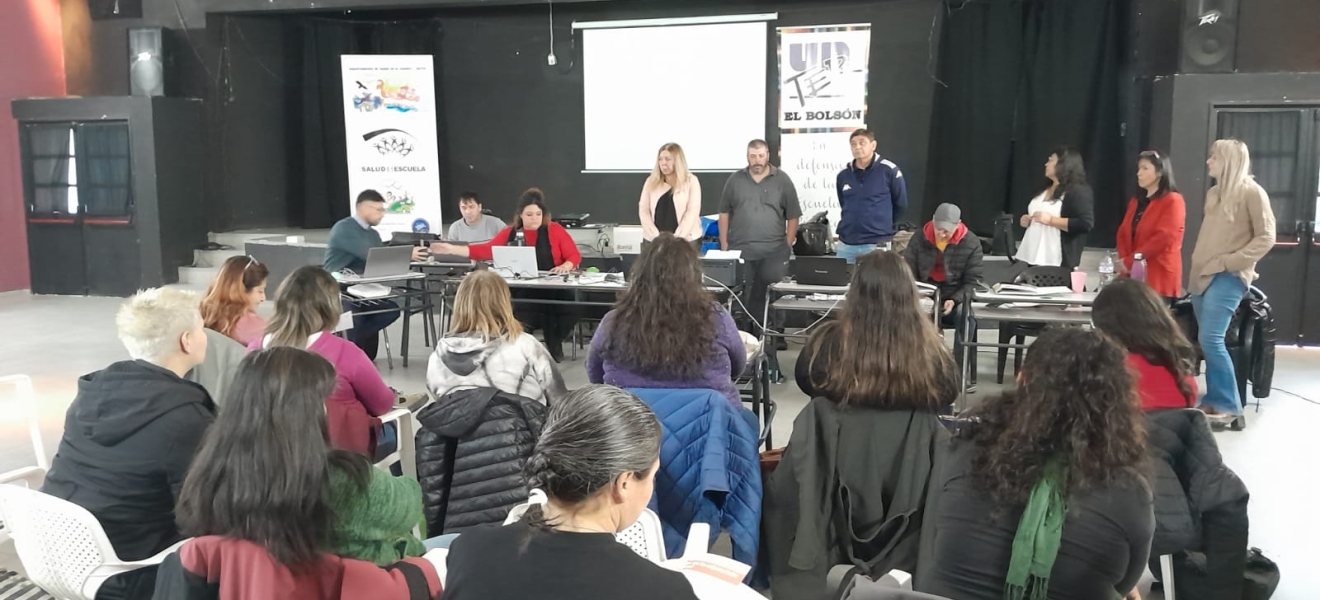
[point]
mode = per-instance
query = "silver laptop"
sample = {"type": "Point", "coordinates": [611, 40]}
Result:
{"type": "Point", "coordinates": [388, 261]}
{"type": "Point", "coordinates": [515, 261]}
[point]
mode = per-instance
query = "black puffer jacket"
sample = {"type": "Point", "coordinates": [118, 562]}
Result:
{"type": "Point", "coordinates": [1200, 504]}
{"type": "Point", "coordinates": [478, 439]}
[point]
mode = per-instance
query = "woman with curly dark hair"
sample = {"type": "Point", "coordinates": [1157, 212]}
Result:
{"type": "Point", "coordinates": [667, 331]}
{"type": "Point", "coordinates": [1130, 312]}
{"type": "Point", "coordinates": [1044, 495]}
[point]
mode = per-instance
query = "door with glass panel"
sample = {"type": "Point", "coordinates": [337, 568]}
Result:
{"type": "Point", "coordinates": [1285, 158]}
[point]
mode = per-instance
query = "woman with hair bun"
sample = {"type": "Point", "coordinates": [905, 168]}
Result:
{"type": "Point", "coordinates": [595, 462]}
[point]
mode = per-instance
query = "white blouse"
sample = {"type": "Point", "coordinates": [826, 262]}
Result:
{"type": "Point", "coordinates": [1041, 245]}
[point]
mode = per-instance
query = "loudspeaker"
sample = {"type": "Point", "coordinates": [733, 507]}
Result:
{"type": "Point", "coordinates": [146, 61]}
{"type": "Point", "coordinates": [114, 9]}
{"type": "Point", "coordinates": [1209, 36]}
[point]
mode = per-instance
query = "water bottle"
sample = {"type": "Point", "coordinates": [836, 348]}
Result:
{"type": "Point", "coordinates": [1107, 269]}
{"type": "Point", "coordinates": [1139, 267]}
{"type": "Point", "coordinates": [521, 239]}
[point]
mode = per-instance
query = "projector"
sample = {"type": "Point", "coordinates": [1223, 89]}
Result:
{"type": "Point", "coordinates": [572, 219]}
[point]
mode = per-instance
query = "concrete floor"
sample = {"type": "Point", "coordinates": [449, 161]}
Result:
{"type": "Point", "coordinates": [56, 339]}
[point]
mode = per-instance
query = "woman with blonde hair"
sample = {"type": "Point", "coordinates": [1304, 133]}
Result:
{"type": "Point", "coordinates": [1237, 231]}
{"type": "Point", "coordinates": [230, 303]}
{"type": "Point", "coordinates": [486, 346]}
{"type": "Point", "coordinates": [671, 197]}
{"type": "Point", "coordinates": [306, 314]}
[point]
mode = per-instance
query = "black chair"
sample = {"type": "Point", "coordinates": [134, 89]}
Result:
{"type": "Point", "coordinates": [1037, 277]}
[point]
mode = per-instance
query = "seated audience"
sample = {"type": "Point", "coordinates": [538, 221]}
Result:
{"type": "Point", "coordinates": [216, 372]}
{"type": "Point", "coordinates": [486, 346]}
{"type": "Point", "coordinates": [475, 227]}
{"type": "Point", "coordinates": [230, 303]}
{"type": "Point", "coordinates": [596, 461]}
{"type": "Point", "coordinates": [667, 331]}
{"type": "Point", "coordinates": [268, 499]}
{"type": "Point", "coordinates": [1044, 494]}
{"type": "Point", "coordinates": [556, 252]}
{"type": "Point", "coordinates": [132, 430]}
{"type": "Point", "coordinates": [306, 313]}
{"type": "Point", "coordinates": [869, 440]}
{"type": "Point", "coordinates": [278, 405]}
{"type": "Point", "coordinates": [350, 241]}
{"type": "Point", "coordinates": [947, 255]}
{"type": "Point", "coordinates": [1132, 314]}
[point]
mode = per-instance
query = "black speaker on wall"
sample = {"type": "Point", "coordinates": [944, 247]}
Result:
{"type": "Point", "coordinates": [1209, 36]}
{"type": "Point", "coordinates": [147, 61]}
{"type": "Point", "coordinates": [114, 9]}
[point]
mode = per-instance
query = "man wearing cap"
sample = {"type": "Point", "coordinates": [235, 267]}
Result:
{"type": "Point", "coordinates": [948, 256]}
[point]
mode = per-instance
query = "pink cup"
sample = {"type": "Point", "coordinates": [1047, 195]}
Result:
{"type": "Point", "coordinates": [1079, 281]}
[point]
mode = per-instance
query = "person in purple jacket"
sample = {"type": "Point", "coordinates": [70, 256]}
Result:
{"type": "Point", "coordinates": [667, 331]}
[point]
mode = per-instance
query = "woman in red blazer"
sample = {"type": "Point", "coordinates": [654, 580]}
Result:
{"type": "Point", "coordinates": [1153, 226]}
{"type": "Point", "coordinates": [556, 252]}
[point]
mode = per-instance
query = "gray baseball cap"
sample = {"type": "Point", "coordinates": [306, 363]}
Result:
{"type": "Point", "coordinates": [947, 216]}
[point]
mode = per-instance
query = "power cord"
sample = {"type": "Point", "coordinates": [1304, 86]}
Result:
{"type": "Point", "coordinates": [1295, 395]}
{"type": "Point", "coordinates": [756, 322]}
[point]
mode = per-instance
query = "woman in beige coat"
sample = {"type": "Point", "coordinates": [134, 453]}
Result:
{"type": "Point", "coordinates": [1237, 232]}
{"type": "Point", "coordinates": [671, 198]}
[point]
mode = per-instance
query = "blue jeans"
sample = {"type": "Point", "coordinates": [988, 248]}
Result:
{"type": "Point", "coordinates": [852, 251]}
{"type": "Point", "coordinates": [439, 541]}
{"type": "Point", "coordinates": [1214, 312]}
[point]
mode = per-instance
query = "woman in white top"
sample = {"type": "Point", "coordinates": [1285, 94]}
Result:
{"type": "Point", "coordinates": [1059, 219]}
{"type": "Point", "coordinates": [671, 197]}
{"type": "Point", "coordinates": [1041, 244]}
{"type": "Point", "coordinates": [486, 346]}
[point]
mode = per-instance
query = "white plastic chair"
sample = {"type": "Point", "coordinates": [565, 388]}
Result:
{"type": "Point", "coordinates": [24, 406]}
{"type": "Point", "coordinates": [61, 545]}
{"type": "Point", "coordinates": [406, 449]}
{"type": "Point", "coordinates": [645, 537]}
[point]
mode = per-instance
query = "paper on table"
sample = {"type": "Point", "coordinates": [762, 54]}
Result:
{"type": "Point", "coordinates": [723, 254]}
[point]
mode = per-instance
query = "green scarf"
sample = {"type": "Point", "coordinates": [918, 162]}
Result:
{"type": "Point", "coordinates": [1039, 533]}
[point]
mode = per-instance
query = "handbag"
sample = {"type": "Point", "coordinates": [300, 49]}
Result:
{"type": "Point", "coordinates": [813, 236]}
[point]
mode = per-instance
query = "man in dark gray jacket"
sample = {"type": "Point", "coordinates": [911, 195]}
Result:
{"type": "Point", "coordinates": [947, 255]}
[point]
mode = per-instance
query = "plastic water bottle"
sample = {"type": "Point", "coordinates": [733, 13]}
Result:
{"type": "Point", "coordinates": [1139, 267]}
{"type": "Point", "coordinates": [521, 239]}
{"type": "Point", "coordinates": [1107, 269]}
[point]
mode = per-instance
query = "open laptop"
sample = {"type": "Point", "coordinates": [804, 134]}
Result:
{"type": "Point", "coordinates": [388, 261]}
{"type": "Point", "coordinates": [514, 261]}
{"type": "Point", "coordinates": [821, 270]}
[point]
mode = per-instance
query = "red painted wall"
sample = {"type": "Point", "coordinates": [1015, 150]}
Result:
{"type": "Point", "coordinates": [32, 44]}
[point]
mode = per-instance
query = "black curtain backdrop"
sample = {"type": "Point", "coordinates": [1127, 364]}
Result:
{"type": "Point", "coordinates": [1021, 77]}
{"type": "Point", "coordinates": [319, 175]}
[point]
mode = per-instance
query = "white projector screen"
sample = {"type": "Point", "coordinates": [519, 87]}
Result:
{"type": "Point", "coordinates": [700, 86]}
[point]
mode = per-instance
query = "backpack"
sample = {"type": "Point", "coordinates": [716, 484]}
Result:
{"type": "Point", "coordinates": [813, 236]}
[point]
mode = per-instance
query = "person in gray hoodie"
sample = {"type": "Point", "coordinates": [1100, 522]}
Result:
{"type": "Point", "coordinates": [486, 347]}
{"type": "Point", "coordinates": [132, 430]}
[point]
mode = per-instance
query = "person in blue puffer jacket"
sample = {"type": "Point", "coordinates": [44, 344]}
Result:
{"type": "Point", "coordinates": [872, 193]}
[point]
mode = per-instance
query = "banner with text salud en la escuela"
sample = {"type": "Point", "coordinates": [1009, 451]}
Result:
{"type": "Point", "coordinates": [390, 125]}
{"type": "Point", "coordinates": [822, 100]}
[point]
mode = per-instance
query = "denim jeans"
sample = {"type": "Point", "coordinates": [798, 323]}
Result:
{"type": "Point", "coordinates": [439, 541]}
{"type": "Point", "coordinates": [852, 251]}
{"type": "Point", "coordinates": [1214, 312]}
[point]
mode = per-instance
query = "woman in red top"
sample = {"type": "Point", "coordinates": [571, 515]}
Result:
{"type": "Point", "coordinates": [1153, 226]}
{"type": "Point", "coordinates": [1129, 312]}
{"type": "Point", "coordinates": [556, 252]}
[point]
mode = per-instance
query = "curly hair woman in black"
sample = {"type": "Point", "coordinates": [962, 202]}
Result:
{"type": "Point", "coordinates": [1044, 496]}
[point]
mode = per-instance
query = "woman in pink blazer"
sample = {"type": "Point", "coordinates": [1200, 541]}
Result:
{"type": "Point", "coordinates": [671, 198]}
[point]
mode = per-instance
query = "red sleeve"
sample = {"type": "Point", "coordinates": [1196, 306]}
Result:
{"type": "Point", "coordinates": [1172, 220]}
{"type": "Point", "coordinates": [482, 251]}
{"type": "Point", "coordinates": [564, 245]}
{"type": "Point", "coordinates": [1123, 240]}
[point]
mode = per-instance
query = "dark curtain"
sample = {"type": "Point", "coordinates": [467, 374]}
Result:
{"type": "Point", "coordinates": [104, 174]}
{"type": "Point", "coordinates": [1021, 77]}
{"type": "Point", "coordinates": [48, 152]}
{"type": "Point", "coordinates": [319, 160]}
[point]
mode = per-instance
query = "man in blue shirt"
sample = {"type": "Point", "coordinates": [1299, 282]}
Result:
{"type": "Point", "coordinates": [872, 194]}
{"type": "Point", "coordinates": [350, 240]}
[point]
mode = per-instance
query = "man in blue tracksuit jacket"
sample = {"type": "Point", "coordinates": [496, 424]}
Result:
{"type": "Point", "coordinates": [872, 193]}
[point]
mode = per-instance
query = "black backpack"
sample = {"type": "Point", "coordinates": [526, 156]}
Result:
{"type": "Point", "coordinates": [813, 236]}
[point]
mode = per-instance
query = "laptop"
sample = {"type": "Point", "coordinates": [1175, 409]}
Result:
{"type": "Point", "coordinates": [821, 270]}
{"type": "Point", "coordinates": [388, 261]}
{"type": "Point", "coordinates": [515, 261]}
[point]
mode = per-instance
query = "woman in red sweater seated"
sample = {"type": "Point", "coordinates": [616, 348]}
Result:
{"type": "Point", "coordinates": [556, 252]}
{"type": "Point", "coordinates": [1130, 313]}
{"type": "Point", "coordinates": [1153, 226]}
